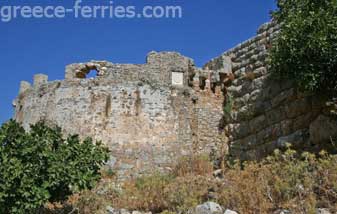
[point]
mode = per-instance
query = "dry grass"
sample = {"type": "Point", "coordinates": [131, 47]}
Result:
{"type": "Point", "coordinates": [283, 181]}
{"type": "Point", "coordinates": [193, 165]}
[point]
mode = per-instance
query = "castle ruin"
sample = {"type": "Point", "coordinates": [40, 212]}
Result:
{"type": "Point", "coordinates": [151, 114]}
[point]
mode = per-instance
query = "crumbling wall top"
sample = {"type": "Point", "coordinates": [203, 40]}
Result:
{"type": "Point", "coordinates": [81, 70]}
{"type": "Point", "coordinates": [168, 68]}
{"type": "Point", "coordinates": [175, 61]}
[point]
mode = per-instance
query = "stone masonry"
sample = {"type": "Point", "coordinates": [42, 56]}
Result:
{"type": "Point", "coordinates": [268, 113]}
{"type": "Point", "coordinates": [148, 115]}
{"type": "Point", "coordinates": [151, 114]}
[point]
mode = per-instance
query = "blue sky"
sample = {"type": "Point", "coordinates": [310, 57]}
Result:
{"type": "Point", "coordinates": [207, 29]}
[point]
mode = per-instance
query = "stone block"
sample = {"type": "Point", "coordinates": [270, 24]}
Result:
{"type": "Point", "coordinates": [235, 91]}
{"type": "Point", "coordinates": [230, 212]}
{"type": "Point", "coordinates": [260, 82]}
{"type": "Point", "coordinates": [272, 89]}
{"type": "Point", "coordinates": [247, 87]}
{"type": "Point", "coordinates": [260, 107]}
{"type": "Point", "coordinates": [208, 208]}
{"type": "Point", "coordinates": [240, 130]}
{"type": "Point", "coordinates": [177, 79]}
{"type": "Point", "coordinates": [295, 139]}
{"type": "Point", "coordinates": [227, 64]}
{"type": "Point", "coordinates": [244, 143]}
{"type": "Point", "coordinates": [261, 71]}
{"type": "Point", "coordinates": [302, 121]}
{"type": "Point", "coordinates": [258, 123]}
{"type": "Point", "coordinates": [256, 96]}
{"type": "Point", "coordinates": [269, 133]}
{"type": "Point", "coordinates": [40, 79]}
{"type": "Point", "coordinates": [284, 96]}
{"type": "Point", "coordinates": [243, 114]}
{"type": "Point", "coordinates": [24, 86]}
{"type": "Point", "coordinates": [275, 116]}
{"type": "Point", "coordinates": [267, 148]}
{"type": "Point", "coordinates": [298, 107]}
{"type": "Point", "coordinates": [323, 129]}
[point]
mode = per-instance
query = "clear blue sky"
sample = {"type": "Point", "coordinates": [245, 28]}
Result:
{"type": "Point", "coordinates": [207, 29]}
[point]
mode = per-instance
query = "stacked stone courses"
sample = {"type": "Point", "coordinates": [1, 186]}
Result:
{"type": "Point", "coordinates": [267, 113]}
{"type": "Point", "coordinates": [151, 114]}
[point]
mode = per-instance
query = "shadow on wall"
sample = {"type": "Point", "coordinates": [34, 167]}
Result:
{"type": "Point", "coordinates": [263, 113]}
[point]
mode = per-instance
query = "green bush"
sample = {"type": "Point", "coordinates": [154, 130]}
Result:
{"type": "Point", "coordinates": [41, 166]}
{"type": "Point", "coordinates": [306, 49]}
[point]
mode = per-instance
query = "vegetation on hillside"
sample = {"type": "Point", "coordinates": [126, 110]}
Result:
{"type": "Point", "coordinates": [306, 49]}
{"type": "Point", "coordinates": [286, 180]}
{"type": "Point", "coordinates": [41, 166]}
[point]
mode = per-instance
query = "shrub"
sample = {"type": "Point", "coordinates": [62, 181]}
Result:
{"type": "Point", "coordinates": [193, 165]}
{"type": "Point", "coordinates": [299, 183]}
{"type": "Point", "coordinates": [286, 180]}
{"type": "Point", "coordinates": [145, 193]}
{"type": "Point", "coordinates": [306, 49]}
{"type": "Point", "coordinates": [185, 186]}
{"type": "Point", "coordinates": [187, 192]}
{"type": "Point", "coordinates": [40, 166]}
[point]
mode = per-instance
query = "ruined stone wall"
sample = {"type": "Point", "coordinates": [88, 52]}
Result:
{"type": "Point", "coordinates": [146, 114]}
{"type": "Point", "coordinates": [266, 113]}
{"type": "Point", "coordinates": [151, 114]}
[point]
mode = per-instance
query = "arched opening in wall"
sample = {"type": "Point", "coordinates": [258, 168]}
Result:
{"type": "Point", "coordinates": [92, 73]}
{"type": "Point", "coordinates": [87, 73]}
{"type": "Point", "coordinates": [202, 82]}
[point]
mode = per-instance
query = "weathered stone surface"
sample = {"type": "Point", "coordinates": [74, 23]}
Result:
{"type": "Point", "coordinates": [275, 116]}
{"type": "Point", "coordinates": [294, 139]}
{"type": "Point", "coordinates": [298, 107]}
{"type": "Point", "coordinates": [301, 122]}
{"type": "Point", "coordinates": [24, 86]}
{"type": "Point", "coordinates": [150, 114]}
{"type": "Point", "coordinates": [283, 96]}
{"type": "Point", "coordinates": [209, 208]}
{"type": "Point", "coordinates": [40, 79]}
{"type": "Point", "coordinates": [244, 143]}
{"type": "Point", "coordinates": [230, 212]}
{"type": "Point", "coordinates": [322, 211]}
{"type": "Point", "coordinates": [261, 71]}
{"type": "Point", "coordinates": [258, 123]}
{"type": "Point", "coordinates": [323, 130]}
{"type": "Point", "coordinates": [276, 111]}
{"type": "Point", "coordinates": [110, 210]}
{"type": "Point", "coordinates": [240, 130]}
{"type": "Point", "coordinates": [136, 110]}
{"type": "Point", "coordinates": [282, 212]}
{"type": "Point", "coordinates": [269, 133]}
{"type": "Point", "coordinates": [235, 91]}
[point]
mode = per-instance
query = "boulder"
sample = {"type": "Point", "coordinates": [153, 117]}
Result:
{"type": "Point", "coordinates": [322, 211]}
{"type": "Point", "coordinates": [209, 208]}
{"type": "Point", "coordinates": [282, 212]}
{"type": "Point", "coordinates": [230, 212]}
{"type": "Point", "coordinates": [111, 210]}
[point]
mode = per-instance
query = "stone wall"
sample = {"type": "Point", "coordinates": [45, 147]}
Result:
{"type": "Point", "coordinates": [266, 113]}
{"type": "Point", "coordinates": [146, 114]}
{"type": "Point", "coordinates": [151, 114]}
